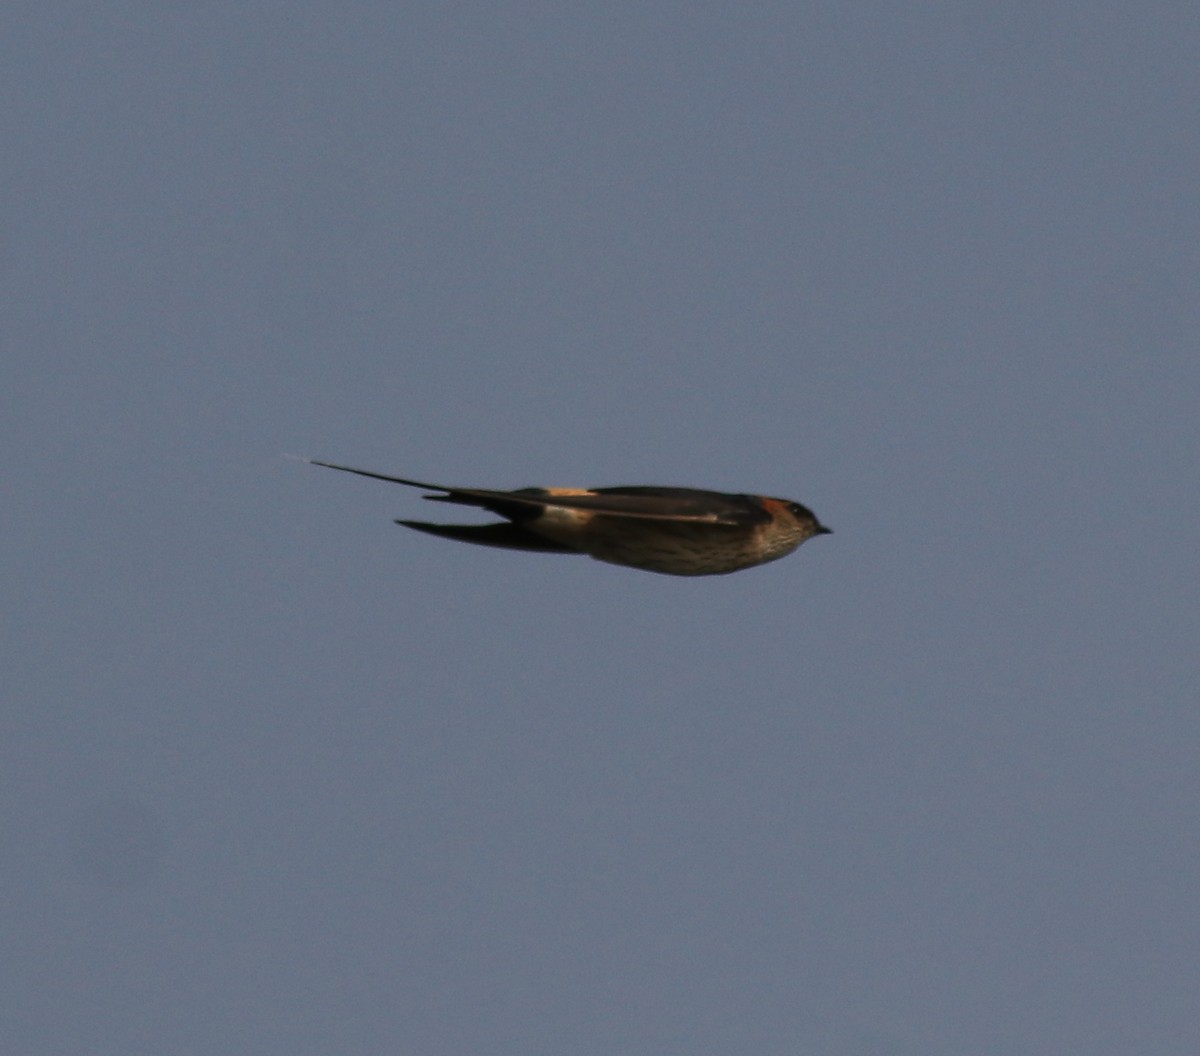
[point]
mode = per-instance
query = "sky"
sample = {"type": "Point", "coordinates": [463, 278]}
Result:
{"type": "Point", "coordinates": [277, 775]}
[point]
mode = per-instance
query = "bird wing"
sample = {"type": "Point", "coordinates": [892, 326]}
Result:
{"type": "Point", "coordinates": [506, 535]}
{"type": "Point", "coordinates": [688, 505]}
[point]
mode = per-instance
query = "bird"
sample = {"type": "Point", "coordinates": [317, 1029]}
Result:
{"type": "Point", "coordinates": [672, 531]}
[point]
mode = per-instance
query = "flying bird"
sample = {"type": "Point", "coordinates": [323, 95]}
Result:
{"type": "Point", "coordinates": [675, 531]}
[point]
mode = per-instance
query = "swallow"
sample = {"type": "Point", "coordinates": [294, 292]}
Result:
{"type": "Point", "coordinates": [675, 531]}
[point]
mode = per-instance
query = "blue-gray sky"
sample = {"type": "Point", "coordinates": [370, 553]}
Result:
{"type": "Point", "coordinates": [279, 776]}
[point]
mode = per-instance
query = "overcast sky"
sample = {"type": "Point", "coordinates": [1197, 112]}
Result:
{"type": "Point", "coordinates": [278, 776]}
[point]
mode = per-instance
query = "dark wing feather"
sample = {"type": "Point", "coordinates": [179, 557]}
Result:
{"type": "Point", "coordinates": [505, 535]}
{"type": "Point", "coordinates": [685, 504]}
{"type": "Point", "coordinates": [639, 503]}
